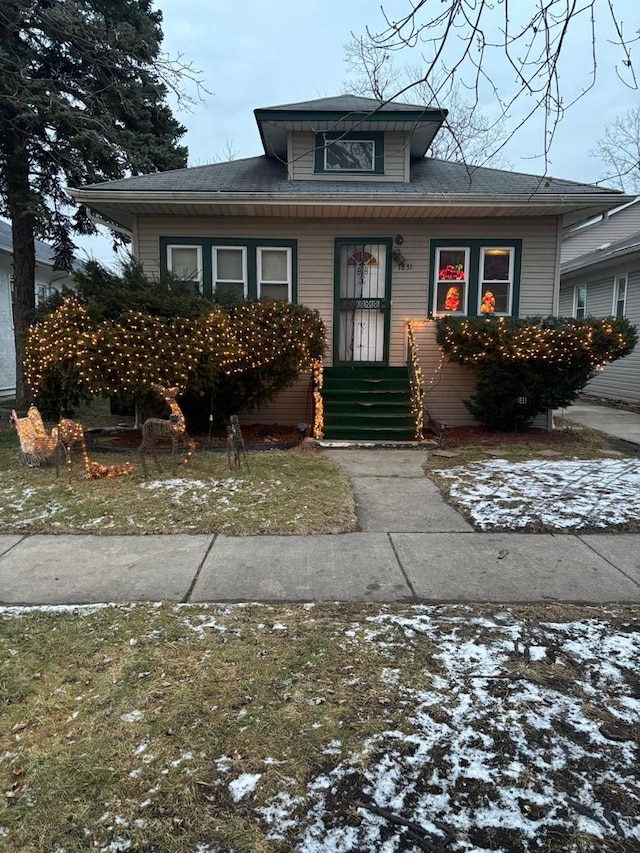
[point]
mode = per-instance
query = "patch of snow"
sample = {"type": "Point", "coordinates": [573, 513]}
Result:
{"type": "Point", "coordinates": [558, 495]}
{"type": "Point", "coordinates": [132, 717]}
{"type": "Point", "coordinates": [244, 785]}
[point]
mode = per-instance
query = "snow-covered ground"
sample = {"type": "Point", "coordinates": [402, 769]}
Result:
{"type": "Point", "coordinates": [489, 758]}
{"type": "Point", "coordinates": [550, 495]}
{"type": "Point", "coordinates": [503, 732]}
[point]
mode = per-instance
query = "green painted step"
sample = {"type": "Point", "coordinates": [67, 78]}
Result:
{"type": "Point", "coordinates": [368, 403]}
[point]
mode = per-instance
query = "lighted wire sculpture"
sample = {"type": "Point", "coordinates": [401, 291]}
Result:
{"type": "Point", "coordinates": [37, 446]}
{"type": "Point", "coordinates": [173, 429]}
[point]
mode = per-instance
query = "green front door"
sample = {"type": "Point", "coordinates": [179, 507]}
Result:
{"type": "Point", "coordinates": [362, 290]}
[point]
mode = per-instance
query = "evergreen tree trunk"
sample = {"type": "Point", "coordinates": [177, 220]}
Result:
{"type": "Point", "coordinates": [20, 205]}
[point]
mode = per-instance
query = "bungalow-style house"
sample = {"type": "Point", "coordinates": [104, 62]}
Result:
{"type": "Point", "coordinates": [600, 277]}
{"type": "Point", "coordinates": [346, 213]}
{"type": "Point", "coordinates": [48, 280]}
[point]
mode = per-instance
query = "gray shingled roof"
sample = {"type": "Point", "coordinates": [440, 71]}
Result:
{"type": "Point", "coordinates": [44, 252]}
{"type": "Point", "coordinates": [347, 103]}
{"type": "Point", "coordinates": [428, 177]}
{"type": "Point", "coordinates": [629, 246]}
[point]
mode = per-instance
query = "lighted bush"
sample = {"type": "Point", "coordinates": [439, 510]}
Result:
{"type": "Point", "coordinates": [242, 356]}
{"type": "Point", "coordinates": [527, 366]}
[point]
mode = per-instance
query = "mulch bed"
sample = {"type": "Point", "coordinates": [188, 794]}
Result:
{"type": "Point", "coordinates": [472, 436]}
{"type": "Point", "coordinates": [255, 435]}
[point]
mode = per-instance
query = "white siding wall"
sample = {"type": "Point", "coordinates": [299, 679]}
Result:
{"type": "Point", "coordinates": [7, 351]}
{"type": "Point", "coordinates": [609, 230]}
{"type": "Point", "coordinates": [409, 288]}
{"type": "Point", "coordinates": [621, 379]}
{"type": "Point", "coordinates": [301, 166]}
{"type": "Point", "coordinates": [7, 345]}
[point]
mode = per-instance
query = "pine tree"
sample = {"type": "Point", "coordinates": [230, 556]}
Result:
{"type": "Point", "coordinates": [83, 99]}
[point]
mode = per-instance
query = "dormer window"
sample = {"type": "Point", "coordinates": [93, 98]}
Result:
{"type": "Point", "coordinates": [354, 152]}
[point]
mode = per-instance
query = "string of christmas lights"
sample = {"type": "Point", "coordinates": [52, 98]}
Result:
{"type": "Point", "coordinates": [318, 404]}
{"type": "Point", "coordinates": [137, 351]}
{"type": "Point", "coordinates": [417, 382]}
{"type": "Point", "coordinates": [561, 342]}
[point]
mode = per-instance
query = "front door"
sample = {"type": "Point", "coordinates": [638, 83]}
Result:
{"type": "Point", "coordinates": [363, 281]}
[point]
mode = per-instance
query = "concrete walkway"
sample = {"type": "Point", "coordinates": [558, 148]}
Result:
{"type": "Point", "coordinates": [413, 547]}
{"type": "Point", "coordinates": [617, 423]}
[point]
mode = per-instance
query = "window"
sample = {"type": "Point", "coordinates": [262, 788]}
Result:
{"type": "Point", "coordinates": [230, 271]}
{"type": "Point", "coordinates": [43, 292]}
{"type": "Point", "coordinates": [620, 296]}
{"type": "Point", "coordinates": [274, 273]}
{"type": "Point", "coordinates": [350, 152]}
{"type": "Point", "coordinates": [185, 263]}
{"type": "Point", "coordinates": [475, 277]}
{"type": "Point", "coordinates": [580, 301]}
{"type": "Point", "coordinates": [235, 267]}
{"type": "Point", "coordinates": [452, 272]}
{"type": "Point", "coordinates": [496, 281]}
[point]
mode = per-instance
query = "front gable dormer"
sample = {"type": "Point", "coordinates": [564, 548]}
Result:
{"type": "Point", "coordinates": [348, 138]}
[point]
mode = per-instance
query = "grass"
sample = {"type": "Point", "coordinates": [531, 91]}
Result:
{"type": "Point", "coordinates": [284, 492]}
{"type": "Point", "coordinates": [263, 728]}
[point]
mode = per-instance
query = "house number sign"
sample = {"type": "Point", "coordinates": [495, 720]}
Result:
{"type": "Point", "coordinates": [371, 304]}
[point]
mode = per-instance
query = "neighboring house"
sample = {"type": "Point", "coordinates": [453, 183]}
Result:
{"type": "Point", "coordinates": [48, 280]}
{"type": "Point", "coordinates": [345, 213]}
{"type": "Point", "coordinates": [600, 277]}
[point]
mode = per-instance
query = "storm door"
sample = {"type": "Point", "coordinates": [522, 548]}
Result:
{"type": "Point", "coordinates": [362, 302]}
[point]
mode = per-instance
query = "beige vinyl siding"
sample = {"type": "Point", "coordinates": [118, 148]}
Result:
{"type": "Point", "coordinates": [292, 406]}
{"type": "Point", "coordinates": [611, 229]}
{"type": "Point", "coordinates": [409, 288]}
{"type": "Point", "coordinates": [446, 384]}
{"type": "Point", "coordinates": [301, 167]}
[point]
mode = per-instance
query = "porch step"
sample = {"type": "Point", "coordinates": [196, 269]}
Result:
{"type": "Point", "coordinates": [367, 403]}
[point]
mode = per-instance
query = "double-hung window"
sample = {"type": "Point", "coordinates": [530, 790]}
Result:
{"type": "Point", "coordinates": [580, 301]}
{"type": "Point", "coordinates": [620, 296]}
{"type": "Point", "coordinates": [475, 277]}
{"type": "Point", "coordinates": [185, 263]}
{"type": "Point", "coordinates": [496, 280]}
{"type": "Point", "coordinates": [452, 280]}
{"type": "Point", "coordinates": [274, 273]}
{"type": "Point", "coordinates": [234, 268]}
{"type": "Point", "coordinates": [230, 271]}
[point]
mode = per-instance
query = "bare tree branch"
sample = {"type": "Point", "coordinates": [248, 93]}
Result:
{"type": "Point", "coordinates": [515, 54]}
{"type": "Point", "coordinates": [619, 148]}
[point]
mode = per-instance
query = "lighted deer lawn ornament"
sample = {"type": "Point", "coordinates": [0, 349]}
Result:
{"type": "Point", "coordinates": [173, 429]}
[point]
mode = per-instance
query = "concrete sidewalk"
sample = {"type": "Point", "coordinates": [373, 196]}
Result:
{"type": "Point", "coordinates": [413, 547]}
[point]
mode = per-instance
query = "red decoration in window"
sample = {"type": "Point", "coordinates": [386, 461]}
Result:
{"type": "Point", "coordinates": [451, 273]}
{"type": "Point", "coordinates": [452, 300]}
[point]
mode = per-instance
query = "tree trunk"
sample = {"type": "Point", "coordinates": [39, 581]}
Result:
{"type": "Point", "coordinates": [20, 204]}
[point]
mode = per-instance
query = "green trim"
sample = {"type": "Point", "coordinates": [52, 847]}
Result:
{"type": "Point", "coordinates": [475, 245]}
{"type": "Point", "coordinates": [250, 243]}
{"type": "Point", "coordinates": [361, 241]}
{"type": "Point", "coordinates": [418, 115]}
{"type": "Point", "coordinates": [376, 136]}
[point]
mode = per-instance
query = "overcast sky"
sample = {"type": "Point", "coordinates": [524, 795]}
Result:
{"type": "Point", "coordinates": [258, 53]}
